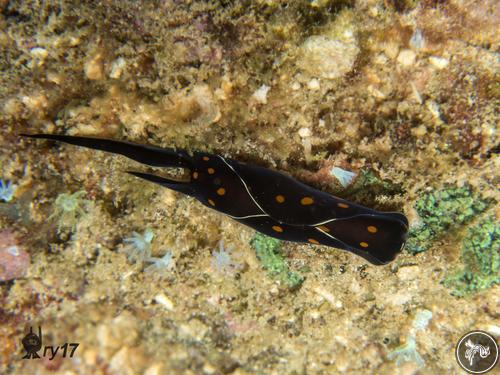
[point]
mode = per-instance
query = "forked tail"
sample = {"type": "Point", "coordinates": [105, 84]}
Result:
{"type": "Point", "coordinates": [145, 154]}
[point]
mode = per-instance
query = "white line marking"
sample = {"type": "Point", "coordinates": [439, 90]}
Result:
{"type": "Point", "coordinates": [245, 185]}
{"type": "Point", "coordinates": [335, 238]}
{"type": "Point", "coordinates": [246, 217]}
{"type": "Point", "coordinates": [354, 216]}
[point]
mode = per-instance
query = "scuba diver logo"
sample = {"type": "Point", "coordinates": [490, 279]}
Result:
{"type": "Point", "coordinates": [32, 343]}
{"type": "Point", "coordinates": [477, 352]}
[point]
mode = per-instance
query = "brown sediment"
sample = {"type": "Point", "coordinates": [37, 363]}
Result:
{"type": "Point", "coordinates": [182, 74]}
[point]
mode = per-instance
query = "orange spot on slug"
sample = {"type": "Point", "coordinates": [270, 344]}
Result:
{"type": "Point", "coordinates": [306, 201]}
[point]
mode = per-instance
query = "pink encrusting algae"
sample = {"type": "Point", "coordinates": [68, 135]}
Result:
{"type": "Point", "coordinates": [14, 260]}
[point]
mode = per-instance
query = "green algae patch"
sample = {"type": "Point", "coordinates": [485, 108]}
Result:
{"type": "Point", "coordinates": [367, 186]}
{"type": "Point", "coordinates": [267, 250]}
{"type": "Point", "coordinates": [441, 211]}
{"type": "Point", "coordinates": [368, 179]}
{"type": "Point", "coordinates": [481, 259]}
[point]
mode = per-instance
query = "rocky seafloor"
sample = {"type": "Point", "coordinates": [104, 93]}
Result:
{"type": "Point", "coordinates": [403, 93]}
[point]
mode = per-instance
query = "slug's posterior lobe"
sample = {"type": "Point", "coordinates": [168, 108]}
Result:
{"type": "Point", "coordinates": [303, 214]}
{"type": "Point", "coordinates": [268, 201]}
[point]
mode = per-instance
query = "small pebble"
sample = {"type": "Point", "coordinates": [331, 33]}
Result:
{"type": "Point", "coordinates": [419, 131]}
{"type": "Point", "coordinates": [439, 62]}
{"type": "Point", "coordinates": [313, 84]}
{"type": "Point", "coordinates": [391, 50]}
{"type": "Point", "coordinates": [93, 68]}
{"type": "Point", "coordinates": [493, 329]}
{"type": "Point", "coordinates": [260, 96]}
{"type": "Point", "coordinates": [373, 11]}
{"type": "Point", "coordinates": [376, 93]}
{"type": "Point", "coordinates": [406, 57]}
{"type": "Point", "coordinates": [55, 77]}
{"type": "Point", "coordinates": [163, 300]}
{"type": "Point", "coordinates": [126, 361]}
{"type": "Point", "coordinates": [409, 273]}
{"type": "Point", "coordinates": [304, 132]}
{"type": "Point", "coordinates": [39, 53]}
{"type": "Point", "coordinates": [433, 107]}
{"type": "Point", "coordinates": [209, 369]}
{"type": "Point", "coordinates": [329, 297]}
{"type": "Point", "coordinates": [117, 68]}
{"type": "Point", "coordinates": [90, 357]}
{"type": "Point", "coordinates": [380, 59]}
{"type": "Point", "coordinates": [315, 315]}
{"type": "Point", "coordinates": [155, 369]}
{"type": "Point", "coordinates": [35, 103]}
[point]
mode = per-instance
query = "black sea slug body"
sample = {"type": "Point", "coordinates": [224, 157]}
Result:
{"type": "Point", "coordinates": [266, 200]}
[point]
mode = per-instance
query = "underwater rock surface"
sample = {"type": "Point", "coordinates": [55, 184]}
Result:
{"type": "Point", "coordinates": [402, 93]}
{"type": "Point", "coordinates": [324, 57]}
